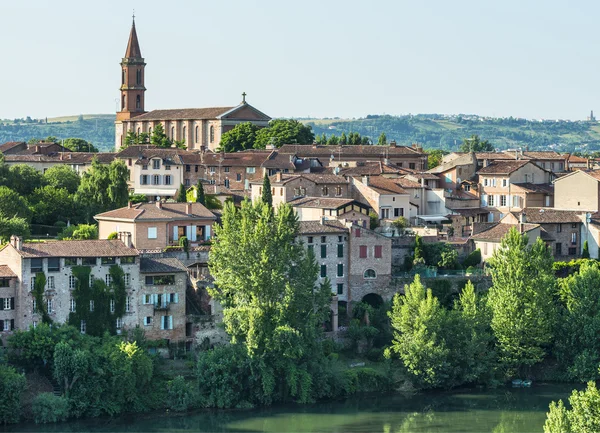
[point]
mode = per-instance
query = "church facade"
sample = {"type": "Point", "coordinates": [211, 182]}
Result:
{"type": "Point", "coordinates": [199, 128]}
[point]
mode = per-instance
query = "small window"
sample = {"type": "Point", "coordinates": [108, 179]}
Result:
{"type": "Point", "coordinates": [196, 135]}
{"type": "Point", "coordinates": [127, 280]}
{"type": "Point", "coordinates": [411, 165]}
{"type": "Point", "coordinates": [166, 322]}
{"type": "Point", "coordinates": [88, 261]}
{"type": "Point", "coordinates": [36, 265]}
{"type": "Point", "coordinates": [212, 133]}
{"type": "Point", "coordinates": [127, 260]}
{"type": "Point", "coordinates": [128, 305]}
{"type": "Point", "coordinates": [238, 177]}
{"type": "Point", "coordinates": [558, 228]}
{"type": "Point", "coordinates": [338, 190]}
{"type": "Point", "coordinates": [167, 167]}
{"type": "Point", "coordinates": [310, 239]}
{"type": "Point", "coordinates": [156, 164]}
{"type": "Point", "coordinates": [370, 274]}
{"type": "Point", "coordinates": [378, 251]}
{"type": "Point", "coordinates": [188, 168]}
{"type": "Point", "coordinates": [73, 306]}
{"type": "Point", "coordinates": [82, 327]}
{"type": "Point", "coordinates": [152, 233]}
{"type": "Point", "coordinates": [50, 306]}
{"type": "Point", "coordinates": [92, 305]}
{"type": "Point", "coordinates": [168, 180]}
{"type": "Point", "coordinates": [53, 264]}
{"type": "Point", "coordinates": [108, 260]}
{"type": "Point", "coordinates": [340, 289]}
{"type": "Point", "coordinates": [250, 170]}
{"type": "Point", "coordinates": [147, 320]}
{"type": "Point", "coordinates": [70, 261]}
{"type": "Point", "coordinates": [72, 281]}
{"type": "Point", "coordinates": [226, 169]}
{"type": "Point", "coordinates": [323, 271]}
{"type": "Point", "coordinates": [340, 270]}
{"type": "Point", "coordinates": [323, 239]}
{"type": "Point", "coordinates": [108, 279]}
{"type": "Point", "coordinates": [50, 283]}
{"type": "Point", "coordinates": [112, 305]}
{"type": "Point", "coordinates": [325, 191]}
{"type": "Point", "coordinates": [340, 250]}
{"type": "Point", "coordinates": [323, 251]}
{"type": "Point", "coordinates": [363, 252]}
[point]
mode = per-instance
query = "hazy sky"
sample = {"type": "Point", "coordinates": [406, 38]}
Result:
{"type": "Point", "coordinates": [320, 58]}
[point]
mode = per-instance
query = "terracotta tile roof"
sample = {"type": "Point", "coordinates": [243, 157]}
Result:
{"type": "Point", "coordinates": [407, 183]}
{"type": "Point", "coordinates": [383, 185]}
{"type": "Point", "coordinates": [90, 248]}
{"type": "Point", "coordinates": [317, 178]}
{"type": "Point", "coordinates": [316, 227]}
{"type": "Point", "coordinates": [468, 212]}
{"type": "Point", "coordinates": [69, 158]}
{"type": "Point", "coordinates": [349, 151]}
{"type": "Point", "coordinates": [6, 272]}
{"type": "Point", "coordinates": [9, 145]}
{"type": "Point", "coordinates": [281, 161]}
{"type": "Point", "coordinates": [321, 202]}
{"type": "Point", "coordinates": [184, 114]}
{"type": "Point", "coordinates": [542, 215]}
{"type": "Point", "coordinates": [546, 188]}
{"type": "Point", "coordinates": [133, 47]}
{"type": "Point", "coordinates": [245, 158]}
{"type": "Point", "coordinates": [423, 175]}
{"type": "Point", "coordinates": [503, 167]}
{"type": "Point", "coordinates": [149, 211]}
{"type": "Point", "coordinates": [543, 155]}
{"type": "Point", "coordinates": [498, 231]}
{"type": "Point", "coordinates": [464, 159]}
{"type": "Point", "coordinates": [371, 168]}
{"type": "Point", "coordinates": [158, 265]}
{"type": "Point", "coordinates": [576, 159]}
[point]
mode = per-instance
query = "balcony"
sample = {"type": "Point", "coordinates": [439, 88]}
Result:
{"type": "Point", "coordinates": [161, 306]}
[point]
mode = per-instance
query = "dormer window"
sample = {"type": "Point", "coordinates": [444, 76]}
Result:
{"type": "Point", "coordinates": [156, 164]}
{"type": "Point", "coordinates": [325, 191]}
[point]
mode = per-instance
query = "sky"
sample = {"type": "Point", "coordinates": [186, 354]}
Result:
{"type": "Point", "coordinates": [312, 58]}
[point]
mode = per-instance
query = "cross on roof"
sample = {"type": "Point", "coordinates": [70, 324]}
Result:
{"type": "Point", "coordinates": [244, 98]}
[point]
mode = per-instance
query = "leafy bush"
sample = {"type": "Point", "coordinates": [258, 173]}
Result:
{"type": "Point", "coordinates": [375, 354]}
{"type": "Point", "coordinates": [583, 417]}
{"type": "Point", "coordinates": [113, 235]}
{"type": "Point", "coordinates": [179, 394]}
{"type": "Point", "coordinates": [12, 384]}
{"type": "Point", "coordinates": [360, 380]}
{"type": "Point", "coordinates": [79, 232]}
{"type": "Point", "coordinates": [48, 408]}
{"type": "Point", "coordinates": [473, 259]}
{"type": "Point", "coordinates": [373, 220]}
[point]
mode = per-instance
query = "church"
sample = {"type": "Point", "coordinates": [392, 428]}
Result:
{"type": "Point", "coordinates": [199, 128]}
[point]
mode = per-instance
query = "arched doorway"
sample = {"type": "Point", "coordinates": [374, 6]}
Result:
{"type": "Point", "coordinates": [373, 299]}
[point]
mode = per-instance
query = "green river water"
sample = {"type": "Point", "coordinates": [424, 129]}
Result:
{"type": "Point", "coordinates": [503, 410]}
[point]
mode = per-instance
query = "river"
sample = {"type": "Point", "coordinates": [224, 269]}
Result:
{"type": "Point", "coordinates": [503, 410]}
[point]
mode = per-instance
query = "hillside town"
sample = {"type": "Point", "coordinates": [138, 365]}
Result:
{"type": "Point", "coordinates": [216, 236]}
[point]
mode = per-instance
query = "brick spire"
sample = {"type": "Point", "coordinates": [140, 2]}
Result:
{"type": "Point", "coordinates": [133, 46]}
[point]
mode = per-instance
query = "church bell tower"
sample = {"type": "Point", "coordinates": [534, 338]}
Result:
{"type": "Point", "coordinates": [132, 79]}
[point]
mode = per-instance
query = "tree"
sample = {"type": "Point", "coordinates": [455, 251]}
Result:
{"type": "Point", "coordinates": [583, 417]}
{"type": "Point", "coordinates": [284, 131]}
{"type": "Point", "coordinates": [241, 137]}
{"type": "Point", "coordinates": [333, 141]}
{"type": "Point", "coordinates": [266, 283]}
{"type": "Point", "coordinates": [577, 344]}
{"type": "Point", "coordinates": [200, 198]}
{"type": "Point", "coordinates": [62, 176]}
{"type": "Point", "coordinates": [586, 250]}
{"type": "Point", "coordinates": [103, 188]}
{"type": "Point", "coordinates": [267, 197]}
{"type": "Point", "coordinates": [118, 190]}
{"type": "Point", "coordinates": [382, 140]}
{"type": "Point", "coordinates": [70, 365]}
{"type": "Point", "coordinates": [418, 321]}
{"type": "Point", "coordinates": [50, 204]}
{"type": "Point", "coordinates": [521, 300]}
{"type": "Point", "coordinates": [79, 145]}
{"type": "Point", "coordinates": [373, 220]}
{"type": "Point", "coordinates": [12, 204]}
{"type": "Point", "coordinates": [418, 258]}
{"type": "Point", "coordinates": [181, 195]}
{"type": "Point", "coordinates": [24, 179]}
{"type": "Point", "coordinates": [343, 139]}
{"type": "Point", "coordinates": [79, 232]}
{"type": "Point", "coordinates": [13, 226]}
{"type": "Point", "coordinates": [434, 157]}
{"type": "Point", "coordinates": [12, 385]}
{"type": "Point", "coordinates": [159, 138]}
{"type": "Point", "coordinates": [400, 224]}
{"type": "Point", "coordinates": [474, 144]}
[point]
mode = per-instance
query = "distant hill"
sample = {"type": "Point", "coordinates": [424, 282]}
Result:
{"type": "Point", "coordinates": [447, 132]}
{"type": "Point", "coordinates": [430, 130]}
{"type": "Point", "coordinates": [99, 129]}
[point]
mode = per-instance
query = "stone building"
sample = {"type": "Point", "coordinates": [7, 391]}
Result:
{"type": "Point", "coordinates": [388, 199]}
{"type": "Point", "coordinates": [8, 296]}
{"type": "Point", "coordinates": [341, 209]}
{"type": "Point", "coordinates": [154, 226]}
{"type": "Point", "coordinates": [198, 128]}
{"type": "Point", "coordinates": [578, 190]}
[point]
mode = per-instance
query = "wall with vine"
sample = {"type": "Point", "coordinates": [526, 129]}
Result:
{"type": "Point", "coordinates": [101, 318]}
{"type": "Point", "coordinates": [41, 307]}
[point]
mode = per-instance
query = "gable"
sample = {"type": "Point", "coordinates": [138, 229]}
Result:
{"type": "Point", "coordinates": [245, 112]}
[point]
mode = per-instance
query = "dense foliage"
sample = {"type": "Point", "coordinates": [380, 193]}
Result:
{"type": "Point", "coordinates": [583, 417]}
{"type": "Point", "coordinates": [12, 385]}
{"type": "Point", "coordinates": [279, 132]}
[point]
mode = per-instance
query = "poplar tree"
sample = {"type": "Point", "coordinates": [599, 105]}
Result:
{"type": "Point", "coordinates": [200, 197]}
{"type": "Point", "coordinates": [267, 197]}
{"type": "Point", "coordinates": [181, 194]}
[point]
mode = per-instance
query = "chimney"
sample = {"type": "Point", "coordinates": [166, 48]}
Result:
{"type": "Point", "coordinates": [365, 180]}
{"type": "Point", "coordinates": [62, 155]}
{"type": "Point", "coordinates": [314, 146]}
{"type": "Point", "coordinates": [125, 237]}
{"type": "Point", "coordinates": [522, 220]}
{"type": "Point", "coordinates": [129, 204]}
{"type": "Point", "coordinates": [16, 242]}
{"type": "Point", "coordinates": [393, 143]}
{"type": "Point", "coordinates": [37, 149]}
{"type": "Point", "coordinates": [278, 177]}
{"type": "Point", "coordinates": [323, 219]}
{"type": "Point", "coordinates": [159, 204]}
{"type": "Point", "coordinates": [188, 208]}
{"type": "Point", "coordinates": [486, 162]}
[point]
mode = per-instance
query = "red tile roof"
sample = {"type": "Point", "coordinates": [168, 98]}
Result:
{"type": "Point", "coordinates": [321, 202]}
{"type": "Point", "coordinates": [350, 151]}
{"type": "Point", "coordinates": [318, 227]}
{"type": "Point", "coordinates": [150, 211]}
{"type": "Point", "coordinates": [89, 248]}
{"type": "Point", "coordinates": [497, 232]}
{"type": "Point", "coordinates": [183, 114]}
{"type": "Point", "coordinates": [503, 167]}
{"type": "Point", "coordinates": [6, 272]}
{"type": "Point", "coordinates": [383, 185]}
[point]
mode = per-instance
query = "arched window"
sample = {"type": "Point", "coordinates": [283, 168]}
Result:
{"type": "Point", "coordinates": [370, 274]}
{"type": "Point", "coordinates": [138, 76]}
{"type": "Point", "coordinates": [123, 103]}
{"type": "Point", "coordinates": [196, 134]}
{"type": "Point", "coordinates": [325, 191]}
{"type": "Point", "coordinates": [123, 77]}
{"type": "Point", "coordinates": [138, 101]}
{"type": "Point", "coordinates": [212, 133]}
{"type": "Point", "coordinates": [172, 133]}
{"type": "Point", "coordinates": [184, 132]}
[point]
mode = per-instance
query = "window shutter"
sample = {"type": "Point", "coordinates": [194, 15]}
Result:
{"type": "Point", "coordinates": [1, 304]}
{"type": "Point", "coordinates": [162, 322]}
{"type": "Point", "coordinates": [177, 298]}
{"type": "Point", "coordinates": [12, 324]}
{"type": "Point", "coordinates": [12, 303]}
{"type": "Point", "coordinates": [194, 234]}
{"type": "Point", "coordinates": [207, 232]}
{"type": "Point", "coordinates": [1, 325]}
{"type": "Point", "coordinates": [188, 232]}
{"type": "Point", "coordinates": [175, 233]}
{"type": "Point", "coordinates": [141, 179]}
{"type": "Point", "coordinates": [170, 322]}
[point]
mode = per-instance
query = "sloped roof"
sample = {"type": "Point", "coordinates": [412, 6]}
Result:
{"type": "Point", "coordinates": [346, 151]}
{"type": "Point", "coordinates": [318, 178]}
{"type": "Point", "coordinates": [88, 248]}
{"type": "Point", "coordinates": [503, 167]}
{"type": "Point", "coordinates": [316, 227]}
{"type": "Point", "coordinates": [158, 265]}
{"type": "Point", "coordinates": [9, 145]}
{"type": "Point", "coordinates": [407, 183]}
{"type": "Point", "coordinates": [133, 47]}
{"type": "Point", "coordinates": [543, 215]}
{"type": "Point", "coordinates": [498, 231]}
{"type": "Point", "coordinates": [321, 202]}
{"type": "Point", "coordinates": [6, 272]}
{"type": "Point", "coordinates": [576, 159]}
{"type": "Point", "coordinates": [150, 211]}
{"type": "Point", "coordinates": [184, 114]}
{"type": "Point", "coordinates": [384, 185]}
{"type": "Point", "coordinates": [464, 159]}
{"type": "Point", "coordinates": [245, 158]}
{"type": "Point", "coordinates": [545, 188]}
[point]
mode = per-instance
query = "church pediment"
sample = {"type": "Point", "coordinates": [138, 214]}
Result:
{"type": "Point", "coordinates": [245, 112]}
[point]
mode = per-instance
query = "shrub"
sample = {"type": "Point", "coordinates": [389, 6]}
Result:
{"type": "Point", "coordinates": [375, 354]}
{"type": "Point", "coordinates": [179, 394]}
{"type": "Point", "coordinates": [586, 251]}
{"type": "Point", "coordinates": [373, 220]}
{"type": "Point", "coordinates": [366, 379]}
{"type": "Point", "coordinates": [112, 236]}
{"type": "Point", "coordinates": [12, 384]}
{"type": "Point", "coordinates": [48, 408]}
{"type": "Point", "coordinates": [473, 259]}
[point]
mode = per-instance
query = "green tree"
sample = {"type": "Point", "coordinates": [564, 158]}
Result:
{"type": "Point", "coordinates": [200, 198]}
{"type": "Point", "coordinates": [12, 204]}
{"type": "Point", "coordinates": [118, 190]}
{"type": "Point", "coordinates": [62, 176]}
{"type": "Point", "coordinates": [418, 258]}
{"type": "Point", "coordinates": [13, 226]}
{"type": "Point", "coordinates": [577, 344]}
{"type": "Point", "coordinates": [12, 385]}
{"type": "Point", "coordinates": [50, 205]}
{"type": "Point", "coordinates": [343, 139]}
{"type": "Point", "coordinates": [79, 145]}
{"type": "Point", "coordinates": [267, 197]}
{"type": "Point", "coordinates": [382, 140]}
{"type": "Point", "coordinates": [241, 137]}
{"type": "Point", "coordinates": [265, 281]}
{"type": "Point", "coordinates": [24, 179]}
{"type": "Point", "coordinates": [333, 141]}
{"type": "Point", "coordinates": [475, 144]}
{"type": "Point", "coordinates": [79, 232]}
{"type": "Point", "coordinates": [434, 157]}
{"type": "Point", "coordinates": [159, 138]}
{"type": "Point", "coordinates": [586, 250]}
{"type": "Point", "coordinates": [284, 131]}
{"type": "Point", "coordinates": [373, 220]}
{"type": "Point", "coordinates": [583, 417]}
{"type": "Point", "coordinates": [418, 321]}
{"type": "Point", "coordinates": [103, 187]}
{"type": "Point", "coordinates": [181, 194]}
{"type": "Point", "coordinates": [70, 365]}
{"type": "Point", "coordinates": [521, 300]}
